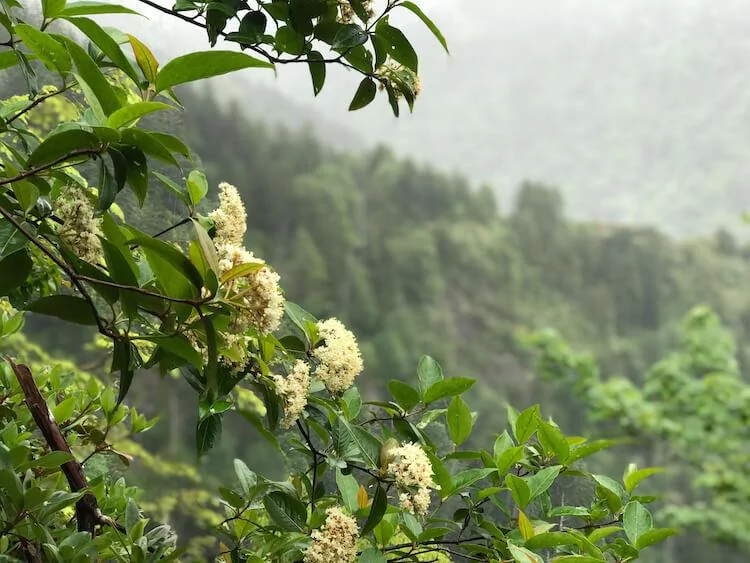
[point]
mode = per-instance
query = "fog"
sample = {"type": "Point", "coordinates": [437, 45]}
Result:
{"type": "Point", "coordinates": [637, 110]}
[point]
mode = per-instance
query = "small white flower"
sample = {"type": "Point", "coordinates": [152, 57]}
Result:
{"type": "Point", "coordinates": [80, 230]}
{"type": "Point", "coordinates": [230, 217]}
{"type": "Point", "coordinates": [412, 471]}
{"type": "Point", "coordinates": [339, 356]}
{"type": "Point", "coordinates": [294, 390]}
{"type": "Point", "coordinates": [336, 541]}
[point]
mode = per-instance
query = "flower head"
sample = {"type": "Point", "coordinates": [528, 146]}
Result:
{"type": "Point", "coordinates": [230, 218]}
{"type": "Point", "coordinates": [347, 13]}
{"type": "Point", "coordinates": [336, 540]}
{"type": "Point", "coordinates": [400, 78]}
{"type": "Point", "coordinates": [80, 230]}
{"type": "Point", "coordinates": [339, 356]}
{"type": "Point", "coordinates": [294, 390]}
{"type": "Point", "coordinates": [412, 471]}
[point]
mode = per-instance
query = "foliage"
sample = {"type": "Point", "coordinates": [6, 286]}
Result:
{"type": "Point", "coordinates": [693, 407]}
{"type": "Point", "coordinates": [212, 312]}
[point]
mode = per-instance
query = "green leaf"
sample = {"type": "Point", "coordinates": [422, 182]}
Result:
{"type": "Point", "coordinates": [377, 510]}
{"type": "Point", "coordinates": [399, 47]}
{"type": "Point", "coordinates": [91, 80]}
{"type": "Point", "coordinates": [588, 448]}
{"type": "Point", "coordinates": [204, 64]}
{"type": "Point", "coordinates": [179, 191]}
{"type": "Point", "coordinates": [364, 95]}
{"type": "Point", "coordinates": [161, 254]}
{"type": "Point", "coordinates": [372, 555]}
{"type": "Point", "coordinates": [178, 345]}
{"type": "Point", "coordinates": [246, 478]}
{"type": "Point", "coordinates": [107, 44]}
{"type": "Point", "coordinates": [519, 489]}
{"type": "Point", "coordinates": [427, 21]}
{"type": "Point", "coordinates": [53, 459]}
{"type": "Point", "coordinates": [352, 442]}
{"type": "Point", "coordinates": [404, 394]}
{"type": "Point", "coordinates": [317, 70]}
{"type": "Point", "coordinates": [459, 420]}
{"type": "Point", "coordinates": [653, 536]}
{"type": "Point", "coordinates": [124, 360]}
{"type": "Point", "coordinates": [148, 144]}
{"type": "Point", "coordinates": [508, 458]}
{"type": "Point", "coordinates": [610, 490]}
{"type": "Point", "coordinates": [208, 432]}
{"type": "Point", "coordinates": [197, 185]}
{"type": "Point", "coordinates": [447, 388]}
{"type": "Point", "coordinates": [11, 239]}
{"type": "Point", "coordinates": [348, 487]}
{"type": "Point", "coordinates": [549, 540]}
{"type": "Point", "coordinates": [66, 307]}
{"type": "Point", "coordinates": [349, 36]}
{"type": "Point", "coordinates": [93, 8]}
{"type": "Point", "coordinates": [553, 441]}
{"type": "Point", "coordinates": [633, 478]}
{"type": "Point", "coordinates": [636, 520]}
{"type": "Point", "coordinates": [8, 59]}
{"type": "Point", "coordinates": [578, 559]}
{"type": "Point", "coordinates": [523, 555]}
{"type": "Point", "coordinates": [45, 47]}
{"type": "Point", "coordinates": [526, 424]}
{"type": "Point", "coordinates": [298, 315]}
{"type": "Point", "coordinates": [468, 477]}
{"type": "Point", "coordinates": [145, 58]}
{"type": "Point", "coordinates": [50, 8]}
{"type": "Point", "coordinates": [58, 148]}
{"type": "Point", "coordinates": [286, 511]}
{"type": "Point", "coordinates": [429, 372]}
{"type": "Point", "coordinates": [542, 481]}
{"type": "Point", "coordinates": [130, 114]}
{"type": "Point", "coordinates": [15, 269]}
{"type": "Point", "coordinates": [602, 533]}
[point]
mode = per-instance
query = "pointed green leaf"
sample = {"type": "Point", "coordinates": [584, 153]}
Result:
{"type": "Point", "coordinates": [447, 388]}
{"type": "Point", "coordinates": [93, 8]}
{"type": "Point", "coordinates": [636, 520]}
{"type": "Point", "coordinates": [427, 21]}
{"type": "Point", "coordinates": [286, 511]}
{"type": "Point", "coordinates": [131, 113]}
{"type": "Point", "coordinates": [204, 64]}
{"type": "Point", "coordinates": [66, 307]}
{"type": "Point", "coordinates": [45, 47]}
{"type": "Point", "coordinates": [459, 420]}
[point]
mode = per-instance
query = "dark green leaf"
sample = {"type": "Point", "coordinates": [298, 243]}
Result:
{"type": "Point", "coordinates": [286, 511]}
{"type": "Point", "coordinates": [204, 64]}
{"type": "Point", "coordinates": [253, 26]}
{"type": "Point", "coordinates": [447, 388]}
{"type": "Point", "coordinates": [377, 510]}
{"type": "Point", "coordinates": [107, 188]}
{"type": "Point", "coordinates": [124, 360]}
{"type": "Point", "coordinates": [364, 94]}
{"type": "Point", "coordinates": [406, 396]}
{"type": "Point", "coordinates": [208, 432]}
{"type": "Point", "coordinates": [399, 47]}
{"type": "Point", "coordinates": [289, 41]}
{"type": "Point", "coordinates": [355, 443]}
{"type": "Point", "coordinates": [427, 21]}
{"type": "Point", "coordinates": [175, 258]}
{"type": "Point", "coordinates": [317, 71]}
{"type": "Point", "coordinates": [11, 239]}
{"type": "Point", "coordinates": [349, 36]}
{"type": "Point", "coordinates": [15, 269]}
{"type": "Point", "coordinates": [148, 144]}
{"type": "Point", "coordinates": [65, 307]}
{"type": "Point", "coordinates": [372, 555]}
{"type": "Point", "coordinates": [61, 147]}
{"type": "Point", "coordinates": [348, 487]}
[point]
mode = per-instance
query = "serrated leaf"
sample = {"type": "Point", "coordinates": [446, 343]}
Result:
{"type": "Point", "coordinates": [286, 511]}
{"type": "Point", "coordinates": [636, 520]}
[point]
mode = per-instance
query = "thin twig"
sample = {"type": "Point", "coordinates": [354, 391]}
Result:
{"type": "Point", "coordinates": [34, 171]}
{"type": "Point", "coordinates": [36, 102]}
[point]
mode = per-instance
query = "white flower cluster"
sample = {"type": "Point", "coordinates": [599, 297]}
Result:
{"type": "Point", "coordinates": [80, 230]}
{"type": "Point", "coordinates": [399, 77]}
{"type": "Point", "coordinates": [339, 357]}
{"type": "Point", "coordinates": [347, 14]}
{"type": "Point", "coordinates": [256, 294]}
{"type": "Point", "coordinates": [336, 541]}
{"type": "Point", "coordinates": [412, 471]}
{"type": "Point", "coordinates": [293, 389]}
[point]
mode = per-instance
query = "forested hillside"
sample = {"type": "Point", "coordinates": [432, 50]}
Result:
{"type": "Point", "coordinates": [635, 109]}
{"type": "Point", "coordinates": [419, 262]}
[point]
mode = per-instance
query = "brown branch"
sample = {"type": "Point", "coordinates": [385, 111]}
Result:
{"type": "Point", "coordinates": [88, 515]}
{"type": "Point", "coordinates": [36, 102]}
{"type": "Point", "coordinates": [34, 171]}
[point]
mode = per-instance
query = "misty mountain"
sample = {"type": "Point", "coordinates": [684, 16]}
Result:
{"type": "Point", "coordinates": [638, 110]}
